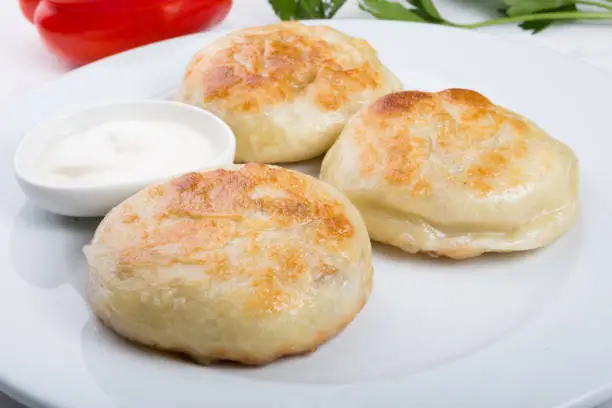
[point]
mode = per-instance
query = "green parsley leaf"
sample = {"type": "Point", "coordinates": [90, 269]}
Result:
{"type": "Point", "coordinates": [534, 15]}
{"type": "Point", "coordinates": [537, 26]}
{"type": "Point", "coordinates": [524, 7]}
{"type": "Point", "coordinates": [306, 9]}
{"type": "Point", "coordinates": [285, 9]}
{"type": "Point", "coordinates": [332, 7]}
{"type": "Point", "coordinates": [428, 7]}
{"type": "Point", "coordinates": [387, 10]}
{"type": "Point", "coordinates": [534, 7]}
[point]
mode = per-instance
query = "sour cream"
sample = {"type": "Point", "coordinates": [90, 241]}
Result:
{"type": "Point", "coordinates": [124, 151]}
{"type": "Point", "coordinates": [85, 163]}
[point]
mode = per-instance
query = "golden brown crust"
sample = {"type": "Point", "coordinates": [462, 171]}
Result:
{"type": "Point", "coordinates": [278, 63]}
{"type": "Point", "coordinates": [398, 103]}
{"type": "Point", "coordinates": [246, 263]}
{"type": "Point", "coordinates": [467, 124]}
{"type": "Point", "coordinates": [453, 174]}
{"type": "Point", "coordinates": [285, 89]}
{"type": "Point", "coordinates": [200, 212]}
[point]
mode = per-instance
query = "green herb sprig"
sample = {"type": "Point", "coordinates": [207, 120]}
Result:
{"type": "Point", "coordinates": [306, 9]}
{"type": "Point", "coordinates": [533, 15]}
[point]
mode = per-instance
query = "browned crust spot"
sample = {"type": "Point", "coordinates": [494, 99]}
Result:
{"type": "Point", "coordinates": [198, 214]}
{"type": "Point", "coordinates": [392, 141]}
{"type": "Point", "coordinates": [399, 102]}
{"type": "Point", "coordinates": [278, 65]}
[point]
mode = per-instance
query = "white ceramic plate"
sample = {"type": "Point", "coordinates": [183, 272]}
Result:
{"type": "Point", "coordinates": [526, 330]}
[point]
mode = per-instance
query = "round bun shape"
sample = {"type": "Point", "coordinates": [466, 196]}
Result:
{"type": "Point", "coordinates": [246, 263]}
{"type": "Point", "coordinates": [451, 174]}
{"type": "Point", "coordinates": [287, 89]}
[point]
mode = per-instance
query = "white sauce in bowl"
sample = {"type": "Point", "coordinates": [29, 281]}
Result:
{"type": "Point", "coordinates": [123, 151]}
{"type": "Point", "coordinates": [85, 163]}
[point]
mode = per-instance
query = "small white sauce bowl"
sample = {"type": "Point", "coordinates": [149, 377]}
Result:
{"type": "Point", "coordinates": [97, 200]}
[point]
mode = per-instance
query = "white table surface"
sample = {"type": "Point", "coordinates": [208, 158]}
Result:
{"type": "Point", "coordinates": [25, 64]}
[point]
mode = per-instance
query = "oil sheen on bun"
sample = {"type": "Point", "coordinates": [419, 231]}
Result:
{"type": "Point", "coordinates": [245, 263]}
{"type": "Point", "coordinates": [452, 174]}
{"type": "Point", "coordinates": [287, 89]}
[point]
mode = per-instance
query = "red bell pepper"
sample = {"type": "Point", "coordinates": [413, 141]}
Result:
{"type": "Point", "coordinates": [81, 31]}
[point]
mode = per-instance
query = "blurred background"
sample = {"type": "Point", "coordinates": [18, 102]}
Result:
{"type": "Point", "coordinates": [25, 62]}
